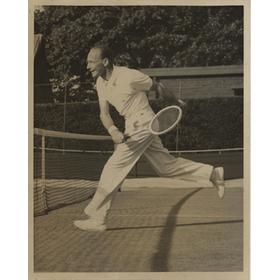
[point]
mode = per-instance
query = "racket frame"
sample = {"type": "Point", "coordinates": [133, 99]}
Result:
{"type": "Point", "coordinates": [159, 113]}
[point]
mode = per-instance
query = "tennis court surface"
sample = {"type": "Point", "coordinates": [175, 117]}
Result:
{"type": "Point", "coordinates": [149, 230]}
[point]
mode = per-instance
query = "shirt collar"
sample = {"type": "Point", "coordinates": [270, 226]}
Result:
{"type": "Point", "coordinates": [113, 77]}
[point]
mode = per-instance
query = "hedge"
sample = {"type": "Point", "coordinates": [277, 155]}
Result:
{"type": "Point", "coordinates": [206, 124]}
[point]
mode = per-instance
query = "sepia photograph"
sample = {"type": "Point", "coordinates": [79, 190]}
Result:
{"type": "Point", "coordinates": [140, 145]}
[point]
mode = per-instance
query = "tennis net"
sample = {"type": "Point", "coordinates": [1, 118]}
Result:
{"type": "Point", "coordinates": [67, 166]}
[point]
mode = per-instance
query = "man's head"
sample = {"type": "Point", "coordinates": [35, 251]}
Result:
{"type": "Point", "coordinates": [99, 60]}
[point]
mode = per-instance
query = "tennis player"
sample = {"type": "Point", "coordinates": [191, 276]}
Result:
{"type": "Point", "coordinates": [126, 89]}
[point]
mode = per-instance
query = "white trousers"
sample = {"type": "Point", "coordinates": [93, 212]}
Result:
{"type": "Point", "coordinates": [125, 156]}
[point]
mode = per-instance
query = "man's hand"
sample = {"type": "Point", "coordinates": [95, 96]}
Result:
{"type": "Point", "coordinates": [181, 103]}
{"type": "Point", "coordinates": [117, 136]}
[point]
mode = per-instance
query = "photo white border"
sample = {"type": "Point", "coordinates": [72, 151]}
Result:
{"type": "Point", "coordinates": [154, 275]}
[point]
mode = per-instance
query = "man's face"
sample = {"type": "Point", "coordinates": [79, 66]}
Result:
{"type": "Point", "coordinates": [95, 63]}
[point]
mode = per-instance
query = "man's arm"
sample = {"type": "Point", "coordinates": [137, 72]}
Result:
{"type": "Point", "coordinates": [108, 123]}
{"type": "Point", "coordinates": [165, 93]}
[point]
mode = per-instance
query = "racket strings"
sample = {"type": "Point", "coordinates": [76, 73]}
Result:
{"type": "Point", "coordinates": [165, 120]}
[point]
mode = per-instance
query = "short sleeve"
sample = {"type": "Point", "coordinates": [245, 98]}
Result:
{"type": "Point", "coordinates": [140, 81]}
{"type": "Point", "coordinates": [99, 90]}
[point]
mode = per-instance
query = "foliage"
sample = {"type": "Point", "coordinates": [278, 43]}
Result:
{"type": "Point", "coordinates": [141, 36]}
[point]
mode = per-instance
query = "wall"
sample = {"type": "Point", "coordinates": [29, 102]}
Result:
{"type": "Point", "coordinates": [200, 82]}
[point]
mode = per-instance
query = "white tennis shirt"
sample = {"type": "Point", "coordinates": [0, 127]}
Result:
{"type": "Point", "coordinates": [125, 90]}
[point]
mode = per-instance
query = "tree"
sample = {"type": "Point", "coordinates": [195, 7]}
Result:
{"type": "Point", "coordinates": [141, 36]}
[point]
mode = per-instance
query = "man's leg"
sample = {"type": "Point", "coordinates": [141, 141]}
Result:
{"type": "Point", "coordinates": [115, 171]}
{"type": "Point", "coordinates": [195, 173]}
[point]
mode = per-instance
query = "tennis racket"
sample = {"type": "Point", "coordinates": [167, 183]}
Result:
{"type": "Point", "coordinates": [166, 119]}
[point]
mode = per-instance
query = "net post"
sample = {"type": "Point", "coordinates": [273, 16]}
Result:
{"type": "Point", "coordinates": [43, 171]}
{"type": "Point", "coordinates": [43, 162]}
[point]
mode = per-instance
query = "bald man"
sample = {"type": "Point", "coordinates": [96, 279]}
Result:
{"type": "Point", "coordinates": [126, 89]}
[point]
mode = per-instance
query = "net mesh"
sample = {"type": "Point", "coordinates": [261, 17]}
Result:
{"type": "Point", "coordinates": [165, 119]}
{"type": "Point", "coordinates": [66, 170]}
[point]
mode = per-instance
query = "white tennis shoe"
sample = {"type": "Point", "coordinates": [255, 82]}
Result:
{"type": "Point", "coordinates": [218, 181]}
{"type": "Point", "coordinates": [90, 225]}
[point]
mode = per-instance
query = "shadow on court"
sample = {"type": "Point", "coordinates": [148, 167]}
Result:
{"type": "Point", "coordinates": [160, 258]}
